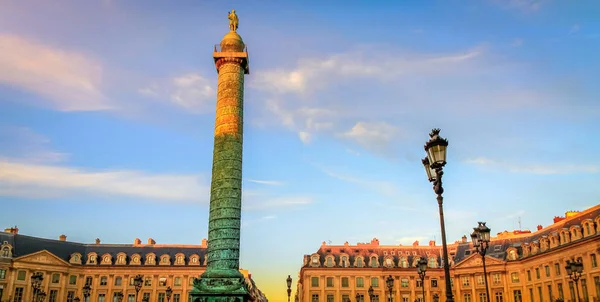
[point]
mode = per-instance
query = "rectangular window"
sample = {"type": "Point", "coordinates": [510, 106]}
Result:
{"type": "Point", "coordinates": [597, 282]}
{"type": "Point", "coordinates": [465, 282]}
{"type": "Point", "coordinates": [584, 290]}
{"type": "Point", "coordinates": [404, 283]}
{"type": "Point", "coordinates": [540, 293]}
{"type": "Point", "coordinates": [329, 298]}
{"type": "Point", "coordinates": [561, 293]}
{"type": "Point", "coordinates": [177, 281]}
{"type": "Point", "coordinates": [496, 278]}
{"type": "Point", "coordinates": [116, 297]}
{"type": "Point", "coordinates": [537, 272]}
{"type": "Point", "coordinates": [131, 298]}
{"type": "Point", "coordinates": [314, 282]}
{"type": "Point", "coordinates": [466, 297]}
{"type": "Point", "coordinates": [146, 297]}
{"type": "Point", "coordinates": [480, 280]}
{"type": "Point", "coordinates": [101, 298]}
{"type": "Point", "coordinates": [531, 294]}
{"type": "Point", "coordinates": [345, 298]}
{"type": "Point", "coordinates": [21, 275]}
{"type": "Point", "coordinates": [315, 298]}
{"type": "Point", "coordinates": [88, 280]}
{"type": "Point", "coordinates": [517, 295]}
{"type": "Point", "coordinates": [482, 297]}
{"type": "Point", "coordinates": [419, 283]}
{"type": "Point", "coordinates": [161, 297]}
{"type": "Point", "coordinates": [70, 296]}
{"type": "Point", "coordinates": [148, 281]}
{"type": "Point", "coordinates": [557, 268]}
{"type": "Point", "coordinates": [375, 282]}
{"type": "Point", "coordinates": [498, 297]}
{"type": "Point", "coordinates": [547, 268]}
{"type": "Point", "coordinates": [53, 295]}
{"type": "Point", "coordinates": [329, 281]}
{"type": "Point", "coordinates": [514, 276]}
{"type": "Point", "coordinates": [72, 280]}
{"type": "Point", "coordinates": [103, 280]}
{"type": "Point", "coordinates": [118, 281]}
{"type": "Point", "coordinates": [550, 292]}
{"type": "Point", "coordinates": [594, 261]}
{"type": "Point", "coordinates": [345, 282]}
{"type": "Point", "coordinates": [2, 274]}
{"type": "Point", "coordinates": [131, 281]}
{"type": "Point", "coordinates": [571, 290]}
{"type": "Point", "coordinates": [162, 281]}
{"type": "Point", "coordinates": [19, 294]}
{"type": "Point", "coordinates": [360, 282]}
{"type": "Point", "coordinates": [375, 298]}
{"type": "Point", "coordinates": [176, 297]}
{"type": "Point", "coordinates": [528, 275]}
{"type": "Point", "coordinates": [434, 283]}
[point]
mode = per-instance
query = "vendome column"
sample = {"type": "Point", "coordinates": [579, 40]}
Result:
{"type": "Point", "coordinates": [222, 280]}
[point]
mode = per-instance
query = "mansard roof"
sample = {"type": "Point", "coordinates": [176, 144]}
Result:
{"type": "Point", "coordinates": [24, 245]}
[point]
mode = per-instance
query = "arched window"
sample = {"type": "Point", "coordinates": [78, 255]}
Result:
{"type": "Point", "coordinates": [329, 262]}
{"type": "Point", "coordinates": [432, 262]}
{"type": "Point", "coordinates": [360, 262]}
{"type": "Point", "coordinates": [6, 251]}
{"type": "Point", "coordinates": [344, 261]}
{"type": "Point", "coordinates": [374, 261]}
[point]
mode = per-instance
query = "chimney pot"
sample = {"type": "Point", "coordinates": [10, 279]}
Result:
{"type": "Point", "coordinates": [431, 242]}
{"type": "Point", "coordinates": [62, 237]}
{"type": "Point", "coordinates": [464, 239]}
{"type": "Point", "coordinates": [137, 241]}
{"type": "Point", "coordinates": [151, 241]}
{"type": "Point", "coordinates": [539, 227]}
{"type": "Point", "coordinates": [97, 240]}
{"type": "Point", "coordinates": [416, 243]}
{"type": "Point", "coordinates": [204, 242]}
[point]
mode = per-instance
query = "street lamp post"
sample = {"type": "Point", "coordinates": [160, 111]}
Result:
{"type": "Point", "coordinates": [288, 282]}
{"type": "Point", "coordinates": [169, 293]}
{"type": "Point", "coordinates": [434, 166]}
{"type": "Point", "coordinates": [390, 285]}
{"type": "Point", "coordinates": [137, 283]}
{"type": "Point", "coordinates": [421, 269]}
{"type": "Point", "coordinates": [575, 270]}
{"type": "Point", "coordinates": [36, 284]}
{"type": "Point", "coordinates": [119, 296]}
{"type": "Point", "coordinates": [41, 296]}
{"type": "Point", "coordinates": [481, 242]}
{"type": "Point", "coordinates": [371, 293]}
{"type": "Point", "coordinates": [86, 292]}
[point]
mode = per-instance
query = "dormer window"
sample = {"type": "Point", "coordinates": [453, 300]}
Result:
{"type": "Point", "coordinates": [179, 259]}
{"type": "Point", "coordinates": [403, 262]}
{"type": "Point", "coordinates": [344, 261]}
{"type": "Point", "coordinates": [389, 262]}
{"type": "Point", "coordinates": [360, 262]}
{"type": "Point", "coordinates": [432, 262]}
{"type": "Point", "coordinates": [329, 261]}
{"type": "Point", "coordinates": [6, 252]}
{"type": "Point", "coordinates": [374, 261]}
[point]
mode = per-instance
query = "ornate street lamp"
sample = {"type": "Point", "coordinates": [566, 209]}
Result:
{"type": "Point", "coordinates": [86, 292]}
{"type": "Point", "coordinates": [119, 296]}
{"type": "Point", "coordinates": [371, 293]}
{"type": "Point", "coordinates": [575, 270]}
{"type": "Point", "coordinates": [169, 293]}
{"type": "Point", "coordinates": [421, 269]}
{"type": "Point", "coordinates": [436, 298]}
{"type": "Point", "coordinates": [390, 285]}
{"type": "Point", "coordinates": [41, 296]}
{"type": "Point", "coordinates": [138, 280]}
{"type": "Point", "coordinates": [288, 282]}
{"type": "Point", "coordinates": [481, 242]}
{"type": "Point", "coordinates": [36, 284]}
{"type": "Point", "coordinates": [434, 167]}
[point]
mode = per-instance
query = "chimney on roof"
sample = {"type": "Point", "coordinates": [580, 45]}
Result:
{"type": "Point", "coordinates": [558, 218]}
{"type": "Point", "coordinates": [151, 241]}
{"type": "Point", "coordinates": [431, 242]}
{"type": "Point", "coordinates": [539, 227]}
{"type": "Point", "coordinates": [464, 239]}
{"type": "Point", "coordinates": [137, 241]}
{"type": "Point", "coordinates": [416, 243]}
{"type": "Point", "coordinates": [204, 242]}
{"type": "Point", "coordinates": [62, 237]}
{"type": "Point", "coordinates": [97, 240]}
{"type": "Point", "coordinates": [14, 230]}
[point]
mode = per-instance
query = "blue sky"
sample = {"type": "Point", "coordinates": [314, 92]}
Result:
{"type": "Point", "coordinates": [107, 115]}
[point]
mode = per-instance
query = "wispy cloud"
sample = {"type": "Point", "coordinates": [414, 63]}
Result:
{"type": "Point", "coordinates": [26, 145]}
{"type": "Point", "coordinates": [257, 200]}
{"type": "Point", "coordinates": [382, 187]}
{"type": "Point", "coordinates": [265, 182]}
{"type": "Point", "coordinates": [517, 42]}
{"type": "Point", "coordinates": [66, 80]}
{"type": "Point", "coordinates": [525, 6]}
{"type": "Point", "coordinates": [574, 29]}
{"type": "Point", "coordinates": [372, 136]}
{"type": "Point", "coordinates": [542, 169]}
{"type": "Point", "coordinates": [44, 181]}
{"type": "Point", "coordinates": [191, 91]}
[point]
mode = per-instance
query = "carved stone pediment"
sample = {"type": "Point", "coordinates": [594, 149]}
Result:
{"type": "Point", "coordinates": [42, 257]}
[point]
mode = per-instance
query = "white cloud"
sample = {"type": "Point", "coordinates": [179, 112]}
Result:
{"type": "Point", "coordinates": [68, 81]}
{"type": "Point", "coordinates": [253, 200]}
{"type": "Point", "coordinates": [27, 145]}
{"type": "Point", "coordinates": [525, 6]}
{"type": "Point", "coordinates": [542, 169]}
{"type": "Point", "coordinates": [266, 182]}
{"type": "Point", "coordinates": [37, 181]}
{"type": "Point", "coordinates": [409, 240]}
{"type": "Point", "coordinates": [190, 91]}
{"type": "Point", "coordinates": [374, 136]}
{"type": "Point", "coordinates": [304, 137]}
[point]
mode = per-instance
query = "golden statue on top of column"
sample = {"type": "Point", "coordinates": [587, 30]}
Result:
{"type": "Point", "coordinates": [233, 21]}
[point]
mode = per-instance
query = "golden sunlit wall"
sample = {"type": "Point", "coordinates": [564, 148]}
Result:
{"type": "Point", "coordinates": [521, 266]}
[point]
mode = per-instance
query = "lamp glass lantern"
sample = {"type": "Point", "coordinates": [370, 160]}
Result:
{"type": "Point", "coordinates": [579, 267]}
{"type": "Point", "coordinates": [436, 149]}
{"type": "Point", "coordinates": [289, 281]}
{"type": "Point", "coordinates": [390, 282]}
{"type": "Point", "coordinates": [569, 268]}
{"type": "Point", "coordinates": [371, 291]}
{"type": "Point", "coordinates": [422, 265]}
{"type": "Point", "coordinates": [484, 232]}
{"type": "Point", "coordinates": [475, 238]}
{"type": "Point", "coordinates": [169, 292]}
{"type": "Point", "coordinates": [430, 172]}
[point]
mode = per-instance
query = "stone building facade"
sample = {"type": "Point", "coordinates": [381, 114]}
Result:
{"type": "Point", "coordinates": [107, 268]}
{"type": "Point", "coordinates": [521, 266]}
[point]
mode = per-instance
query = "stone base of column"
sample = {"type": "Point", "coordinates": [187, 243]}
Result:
{"type": "Point", "coordinates": [220, 290]}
